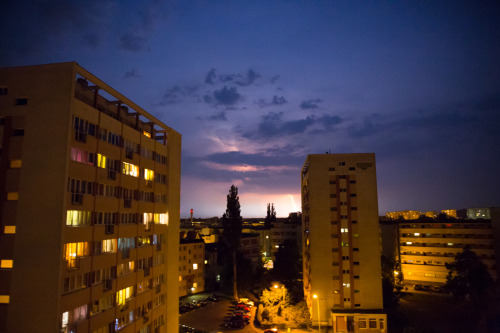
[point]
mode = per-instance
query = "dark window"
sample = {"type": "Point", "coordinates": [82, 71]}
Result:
{"type": "Point", "coordinates": [352, 182]}
{"type": "Point", "coordinates": [353, 195]}
{"type": "Point", "coordinates": [354, 221]}
{"type": "Point", "coordinates": [332, 181]}
{"type": "Point", "coordinates": [355, 249]}
{"type": "Point", "coordinates": [334, 222]}
{"type": "Point", "coordinates": [333, 209]}
{"type": "Point", "coordinates": [342, 163]}
{"type": "Point", "coordinates": [22, 101]}
{"type": "Point", "coordinates": [333, 195]}
{"type": "Point", "coordinates": [331, 169]}
{"type": "Point", "coordinates": [352, 168]}
{"type": "Point", "coordinates": [4, 91]}
{"type": "Point", "coordinates": [354, 208]}
{"type": "Point", "coordinates": [18, 132]}
{"type": "Point", "coordinates": [2, 121]}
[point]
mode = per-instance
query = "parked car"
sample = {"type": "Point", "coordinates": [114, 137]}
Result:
{"type": "Point", "coordinates": [236, 322]}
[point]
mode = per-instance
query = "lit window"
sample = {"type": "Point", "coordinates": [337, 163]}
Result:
{"type": "Point", "coordinates": [64, 320]}
{"type": "Point", "coordinates": [14, 164]}
{"type": "Point", "coordinates": [408, 243]}
{"type": "Point", "coordinates": [149, 174]}
{"type": "Point", "coordinates": [13, 196]}
{"type": "Point", "coordinates": [450, 244]}
{"type": "Point", "coordinates": [130, 169]}
{"type": "Point", "coordinates": [416, 234]}
{"type": "Point", "coordinates": [6, 263]}
{"type": "Point", "coordinates": [277, 246]}
{"type": "Point", "coordinates": [195, 266]}
{"type": "Point", "coordinates": [180, 278]}
{"type": "Point", "coordinates": [123, 295]}
{"type": "Point", "coordinates": [146, 134]}
{"type": "Point", "coordinates": [101, 161]}
{"type": "Point", "coordinates": [9, 229]}
{"type": "Point", "coordinates": [195, 285]}
{"type": "Point", "coordinates": [160, 218]}
{"type": "Point", "coordinates": [77, 217]}
{"type": "Point", "coordinates": [4, 299]}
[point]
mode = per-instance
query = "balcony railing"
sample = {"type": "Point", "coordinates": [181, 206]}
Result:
{"type": "Point", "coordinates": [81, 136]}
{"type": "Point", "coordinates": [107, 284]}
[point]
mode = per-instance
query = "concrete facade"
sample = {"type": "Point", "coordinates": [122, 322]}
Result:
{"type": "Point", "coordinates": [89, 207]}
{"type": "Point", "coordinates": [341, 243]}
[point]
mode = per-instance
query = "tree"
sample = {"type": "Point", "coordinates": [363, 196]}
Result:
{"type": "Point", "coordinates": [270, 216]}
{"type": "Point", "coordinates": [231, 222]}
{"type": "Point", "coordinates": [288, 268]}
{"type": "Point", "coordinates": [468, 278]}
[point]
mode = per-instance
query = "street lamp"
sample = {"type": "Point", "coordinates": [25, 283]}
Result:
{"type": "Point", "coordinates": [319, 322]}
{"type": "Point", "coordinates": [283, 289]}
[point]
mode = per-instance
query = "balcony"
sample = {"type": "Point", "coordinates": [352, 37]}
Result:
{"type": "Point", "coordinates": [111, 174]}
{"type": "Point", "coordinates": [107, 284]}
{"type": "Point", "coordinates": [77, 198]}
{"type": "Point", "coordinates": [73, 263]}
{"type": "Point", "coordinates": [158, 289]}
{"type": "Point", "coordinates": [109, 229]}
{"type": "Point", "coordinates": [81, 136]}
{"type": "Point", "coordinates": [125, 253]}
{"type": "Point", "coordinates": [129, 153]}
{"type": "Point", "coordinates": [127, 203]}
{"type": "Point", "coordinates": [147, 271]}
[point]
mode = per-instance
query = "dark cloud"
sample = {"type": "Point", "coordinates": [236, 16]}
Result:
{"type": "Point", "coordinates": [227, 96]}
{"type": "Point", "coordinates": [221, 116]}
{"type": "Point", "coordinates": [263, 159]}
{"type": "Point", "coordinates": [132, 74]}
{"type": "Point", "coordinates": [248, 79]}
{"type": "Point", "coordinates": [274, 101]}
{"type": "Point", "coordinates": [310, 104]}
{"type": "Point", "coordinates": [133, 43]}
{"type": "Point", "coordinates": [176, 94]}
{"type": "Point", "coordinates": [227, 77]}
{"type": "Point", "coordinates": [272, 125]}
{"type": "Point", "coordinates": [209, 79]}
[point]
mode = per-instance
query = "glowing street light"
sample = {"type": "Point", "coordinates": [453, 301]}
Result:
{"type": "Point", "coordinates": [317, 302]}
{"type": "Point", "coordinates": [283, 289]}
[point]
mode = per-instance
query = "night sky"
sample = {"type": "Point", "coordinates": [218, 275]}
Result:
{"type": "Point", "coordinates": [255, 86]}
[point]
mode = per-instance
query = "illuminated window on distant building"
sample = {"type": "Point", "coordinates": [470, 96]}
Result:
{"type": "Point", "coordinates": [13, 196]}
{"type": "Point", "coordinates": [9, 229]}
{"type": "Point", "coordinates": [6, 263]}
{"type": "Point", "coordinates": [4, 299]}
{"type": "Point", "coordinates": [195, 266]}
{"type": "Point", "coordinates": [146, 134]}
{"type": "Point", "coordinates": [14, 164]}
{"type": "Point", "coordinates": [130, 169]}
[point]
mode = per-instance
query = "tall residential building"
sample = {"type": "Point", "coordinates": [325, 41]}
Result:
{"type": "Point", "coordinates": [89, 208]}
{"type": "Point", "coordinates": [341, 249]}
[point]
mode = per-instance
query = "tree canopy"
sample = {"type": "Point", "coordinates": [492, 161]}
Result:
{"type": "Point", "coordinates": [270, 216]}
{"type": "Point", "coordinates": [469, 278]}
{"type": "Point", "coordinates": [232, 220]}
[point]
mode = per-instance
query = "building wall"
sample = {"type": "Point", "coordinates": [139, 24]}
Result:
{"type": "Point", "coordinates": [191, 268]}
{"type": "Point", "coordinates": [84, 285]}
{"type": "Point", "coordinates": [427, 247]}
{"type": "Point", "coordinates": [341, 247]}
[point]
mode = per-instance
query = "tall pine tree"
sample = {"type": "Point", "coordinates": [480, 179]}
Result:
{"type": "Point", "coordinates": [231, 222]}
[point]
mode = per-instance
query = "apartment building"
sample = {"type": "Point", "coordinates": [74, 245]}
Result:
{"type": "Point", "coordinates": [426, 245]}
{"type": "Point", "coordinates": [89, 208]}
{"type": "Point", "coordinates": [191, 266]}
{"type": "Point", "coordinates": [281, 232]}
{"type": "Point", "coordinates": [341, 244]}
